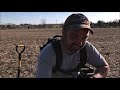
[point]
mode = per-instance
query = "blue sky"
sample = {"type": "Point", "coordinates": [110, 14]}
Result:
{"type": "Point", "coordinates": [52, 17]}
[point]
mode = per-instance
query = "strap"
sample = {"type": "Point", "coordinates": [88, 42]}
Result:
{"type": "Point", "coordinates": [83, 57]}
{"type": "Point", "coordinates": [83, 60]}
{"type": "Point", "coordinates": [58, 50]}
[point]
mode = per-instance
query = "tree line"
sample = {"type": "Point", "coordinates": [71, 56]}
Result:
{"type": "Point", "coordinates": [99, 24]}
{"type": "Point", "coordinates": [103, 24]}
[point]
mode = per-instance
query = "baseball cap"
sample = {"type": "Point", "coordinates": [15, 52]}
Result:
{"type": "Point", "coordinates": [77, 21]}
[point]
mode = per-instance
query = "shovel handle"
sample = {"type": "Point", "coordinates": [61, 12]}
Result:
{"type": "Point", "coordinates": [21, 50]}
{"type": "Point", "coordinates": [19, 57]}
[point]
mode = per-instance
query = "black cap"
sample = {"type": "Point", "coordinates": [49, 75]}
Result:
{"type": "Point", "coordinates": [77, 21]}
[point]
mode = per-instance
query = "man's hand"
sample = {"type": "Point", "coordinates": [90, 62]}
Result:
{"type": "Point", "coordinates": [101, 72]}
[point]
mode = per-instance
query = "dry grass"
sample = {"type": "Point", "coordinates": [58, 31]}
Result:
{"type": "Point", "coordinates": [107, 41]}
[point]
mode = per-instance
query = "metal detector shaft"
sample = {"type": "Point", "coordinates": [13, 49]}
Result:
{"type": "Point", "coordinates": [19, 58]}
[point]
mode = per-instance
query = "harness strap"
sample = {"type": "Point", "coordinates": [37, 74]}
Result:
{"type": "Point", "coordinates": [59, 59]}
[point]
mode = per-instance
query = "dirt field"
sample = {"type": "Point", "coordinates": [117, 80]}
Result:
{"type": "Point", "coordinates": [107, 41]}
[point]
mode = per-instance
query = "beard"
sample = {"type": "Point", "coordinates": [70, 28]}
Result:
{"type": "Point", "coordinates": [73, 48]}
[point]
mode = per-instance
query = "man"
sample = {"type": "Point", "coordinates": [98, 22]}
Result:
{"type": "Point", "coordinates": [74, 37]}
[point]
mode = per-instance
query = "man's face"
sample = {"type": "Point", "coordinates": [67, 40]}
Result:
{"type": "Point", "coordinates": [74, 40]}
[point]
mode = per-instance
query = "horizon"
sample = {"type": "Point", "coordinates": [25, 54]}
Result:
{"type": "Point", "coordinates": [18, 18]}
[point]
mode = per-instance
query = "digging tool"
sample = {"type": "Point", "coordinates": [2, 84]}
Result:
{"type": "Point", "coordinates": [20, 49]}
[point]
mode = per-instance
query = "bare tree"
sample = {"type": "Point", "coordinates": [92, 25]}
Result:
{"type": "Point", "coordinates": [43, 22]}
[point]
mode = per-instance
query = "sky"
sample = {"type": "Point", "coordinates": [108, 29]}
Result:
{"type": "Point", "coordinates": [52, 17]}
